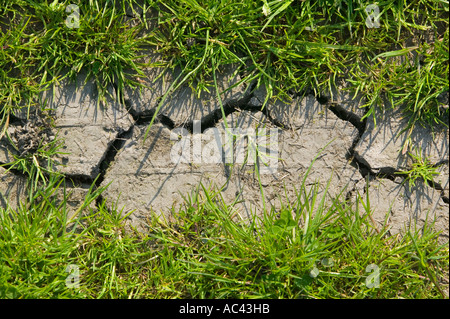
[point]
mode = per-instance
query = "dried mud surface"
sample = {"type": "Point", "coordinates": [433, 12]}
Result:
{"type": "Point", "coordinates": [351, 157]}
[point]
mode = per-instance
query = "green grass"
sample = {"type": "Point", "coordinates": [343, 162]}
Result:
{"type": "Point", "coordinates": [421, 169]}
{"type": "Point", "coordinates": [311, 248]}
{"type": "Point", "coordinates": [202, 252]}
{"type": "Point", "coordinates": [39, 49]}
{"type": "Point", "coordinates": [300, 44]}
{"type": "Point", "coordinates": [284, 45]}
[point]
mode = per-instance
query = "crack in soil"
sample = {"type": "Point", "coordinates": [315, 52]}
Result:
{"type": "Point", "coordinates": [146, 116]}
{"type": "Point", "coordinates": [14, 120]}
{"type": "Point", "coordinates": [363, 166]}
{"type": "Point", "coordinates": [210, 120]}
{"type": "Point", "coordinates": [111, 153]}
{"type": "Point", "coordinates": [359, 123]}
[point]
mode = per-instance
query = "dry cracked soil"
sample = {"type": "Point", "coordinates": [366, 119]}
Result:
{"type": "Point", "coordinates": [191, 143]}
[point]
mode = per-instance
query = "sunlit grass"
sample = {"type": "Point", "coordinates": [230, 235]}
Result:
{"type": "Point", "coordinates": [286, 46]}
{"type": "Point", "coordinates": [203, 252]}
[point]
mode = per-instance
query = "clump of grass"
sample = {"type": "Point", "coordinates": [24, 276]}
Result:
{"type": "Point", "coordinates": [286, 46]}
{"type": "Point", "coordinates": [421, 169]}
{"type": "Point", "coordinates": [102, 43]}
{"type": "Point", "coordinates": [38, 48]}
{"type": "Point", "coordinates": [18, 84]}
{"type": "Point", "coordinates": [305, 250]}
{"type": "Point", "coordinates": [290, 254]}
{"type": "Point", "coordinates": [36, 246]}
{"type": "Point", "coordinates": [297, 43]}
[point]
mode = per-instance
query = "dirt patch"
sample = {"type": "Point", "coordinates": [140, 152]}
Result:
{"type": "Point", "coordinates": [190, 143]}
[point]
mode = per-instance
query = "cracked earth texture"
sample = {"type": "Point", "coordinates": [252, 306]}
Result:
{"type": "Point", "coordinates": [357, 157]}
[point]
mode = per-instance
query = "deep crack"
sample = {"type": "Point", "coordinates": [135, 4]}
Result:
{"type": "Point", "coordinates": [348, 116]}
{"type": "Point", "coordinates": [111, 153]}
{"type": "Point", "coordinates": [360, 163]}
{"type": "Point", "coordinates": [360, 124]}
{"type": "Point", "coordinates": [14, 120]}
{"type": "Point", "coordinates": [208, 121]}
{"type": "Point", "coordinates": [266, 112]}
{"type": "Point", "coordinates": [146, 116]}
